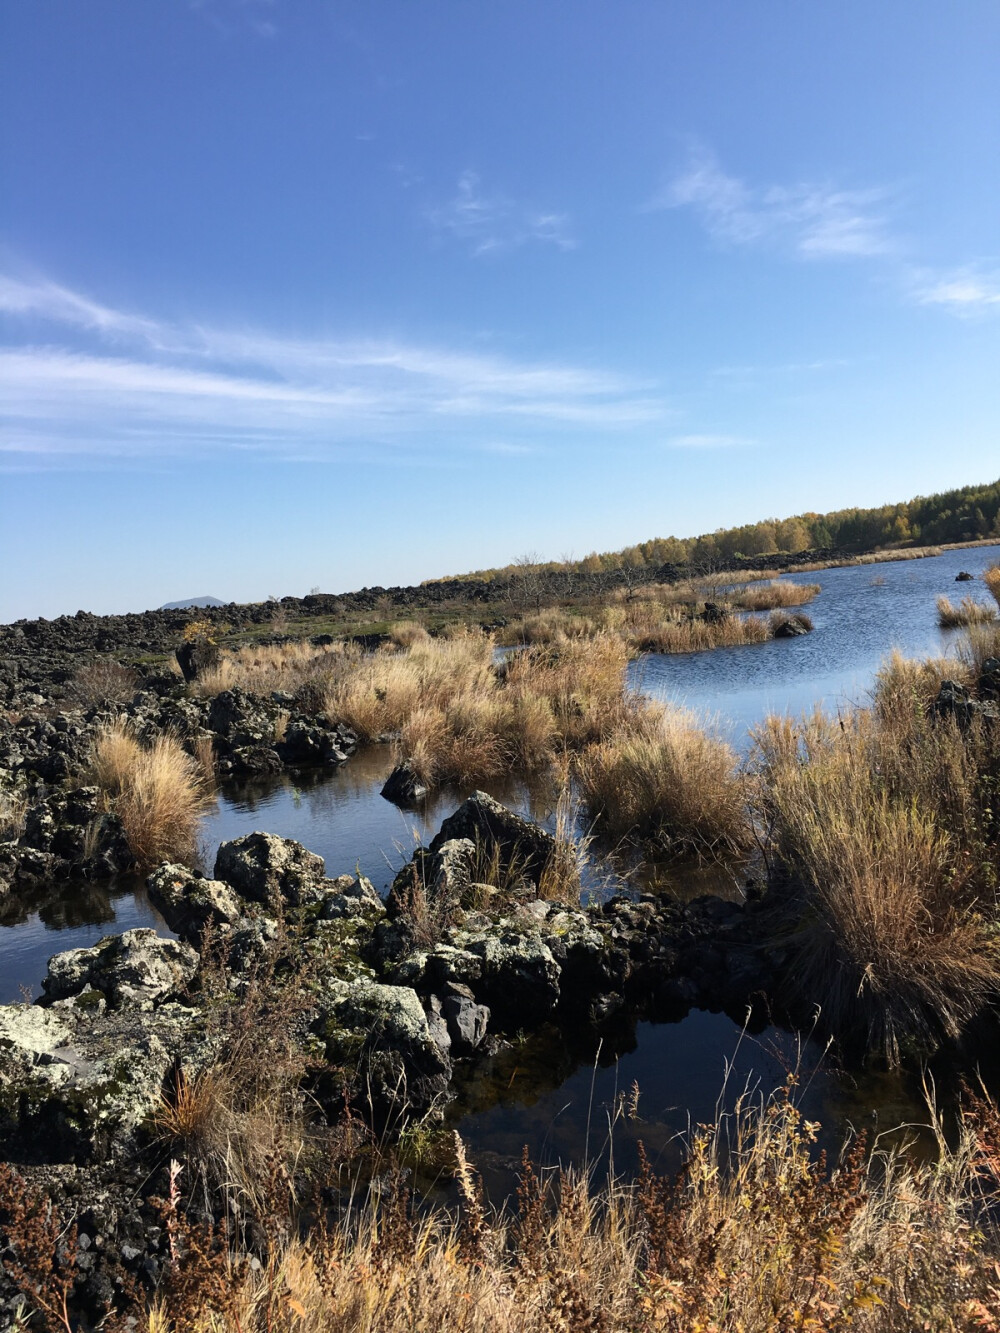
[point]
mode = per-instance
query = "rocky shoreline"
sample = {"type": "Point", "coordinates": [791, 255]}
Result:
{"type": "Point", "coordinates": [66, 830]}
{"type": "Point", "coordinates": [387, 1002]}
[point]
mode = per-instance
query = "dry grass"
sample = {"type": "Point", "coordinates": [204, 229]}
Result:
{"type": "Point", "coordinates": [261, 669]}
{"type": "Point", "coordinates": [967, 612]}
{"type": "Point", "coordinates": [669, 781]}
{"type": "Point", "coordinates": [698, 636]}
{"type": "Point", "coordinates": [770, 596]}
{"type": "Point", "coordinates": [991, 577]}
{"type": "Point", "coordinates": [882, 825]}
{"type": "Point", "coordinates": [156, 790]}
{"type": "Point", "coordinates": [405, 633]}
{"type": "Point", "coordinates": [755, 1235]}
{"type": "Point", "coordinates": [881, 557]}
{"type": "Point", "coordinates": [668, 619]}
{"type": "Point", "coordinates": [980, 643]}
{"type": "Point", "coordinates": [905, 688]}
{"type": "Point", "coordinates": [382, 691]}
{"type": "Point", "coordinates": [472, 726]}
{"type": "Point", "coordinates": [13, 808]}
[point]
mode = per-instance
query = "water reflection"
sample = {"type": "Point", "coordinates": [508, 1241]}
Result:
{"type": "Point", "coordinates": [556, 1091]}
{"type": "Point", "coordinates": [72, 915]}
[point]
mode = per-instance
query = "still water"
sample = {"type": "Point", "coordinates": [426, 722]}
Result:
{"type": "Point", "coordinates": [550, 1092]}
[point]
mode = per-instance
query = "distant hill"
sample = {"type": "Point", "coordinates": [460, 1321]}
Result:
{"type": "Point", "coordinates": [191, 601]}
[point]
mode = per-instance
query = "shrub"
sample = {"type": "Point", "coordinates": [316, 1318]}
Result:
{"type": "Point", "coordinates": [104, 681]}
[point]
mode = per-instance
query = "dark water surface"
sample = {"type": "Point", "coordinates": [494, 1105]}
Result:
{"type": "Point", "coordinates": [554, 1095]}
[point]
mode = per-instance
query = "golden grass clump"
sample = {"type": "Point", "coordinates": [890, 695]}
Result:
{"type": "Point", "coordinates": [967, 612]}
{"type": "Point", "coordinates": [668, 780]}
{"type": "Point", "coordinates": [991, 577]}
{"type": "Point", "coordinates": [472, 724]}
{"type": "Point", "coordinates": [882, 823]}
{"type": "Point", "coordinates": [405, 633]}
{"type": "Point", "coordinates": [906, 687]}
{"type": "Point", "coordinates": [698, 636]}
{"type": "Point", "coordinates": [381, 692]}
{"type": "Point", "coordinates": [156, 790]}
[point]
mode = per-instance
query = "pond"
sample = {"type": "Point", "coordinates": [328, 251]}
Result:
{"type": "Point", "coordinates": [550, 1092]}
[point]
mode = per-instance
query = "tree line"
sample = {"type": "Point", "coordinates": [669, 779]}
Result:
{"type": "Point", "coordinates": [965, 514]}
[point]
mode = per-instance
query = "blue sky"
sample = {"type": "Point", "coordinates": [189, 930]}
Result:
{"type": "Point", "coordinates": [335, 294]}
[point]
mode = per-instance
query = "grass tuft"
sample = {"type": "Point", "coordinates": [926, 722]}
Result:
{"type": "Point", "coordinates": [157, 791]}
{"type": "Point", "coordinates": [669, 781]}
{"type": "Point", "coordinates": [967, 612]}
{"type": "Point", "coordinates": [882, 827]}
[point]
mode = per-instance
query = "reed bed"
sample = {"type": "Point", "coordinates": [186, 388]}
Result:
{"type": "Point", "coordinates": [157, 790]}
{"type": "Point", "coordinates": [969, 611]}
{"type": "Point", "coordinates": [991, 577]}
{"type": "Point", "coordinates": [771, 596]}
{"type": "Point", "coordinates": [698, 636]}
{"type": "Point", "coordinates": [647, 626]}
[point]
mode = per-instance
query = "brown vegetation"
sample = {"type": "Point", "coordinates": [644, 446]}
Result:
{"type": "Point", "coordinates": [262, 668]}
{"type": "Point", "coordinates": [669, 781]}
{"type": "Point", "coordinates": [756, 1233]}
{"type": "Point", "coordinates": [967, 612]}
{"type": "Point", "coordinates": [991, 578]}
{"type": "Point", "coordinates": [882, 824]}
{"type": "Point", "coordinates": [157, 790]}
{"type": "Point", "coordinates": [770, 596]}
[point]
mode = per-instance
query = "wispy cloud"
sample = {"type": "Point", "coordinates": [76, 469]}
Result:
{"type": "Point", "coordinates": [813, 220]}
{"type": "Point", "coordinates": [709, 441]}
{"type": "Point", "coordinates": [974, 290]}
{"type": "Point", "coordinates": [85, 378]}
{"type": "Point", "coordinates": [48, 300]}
{"type": "Point", "coordinates": [491, 222]}
{"type": "Point", "coordinates": [222, 14]}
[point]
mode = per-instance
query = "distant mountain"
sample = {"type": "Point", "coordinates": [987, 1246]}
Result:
{"type": "Point", "coordinates": [191, 601]}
